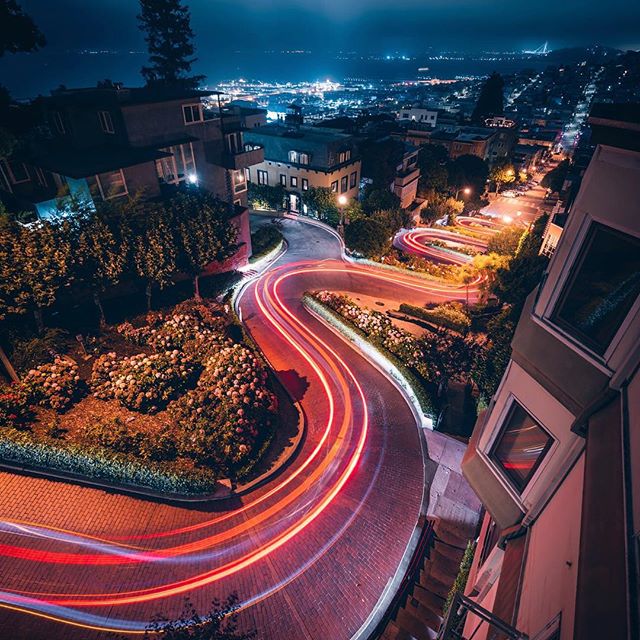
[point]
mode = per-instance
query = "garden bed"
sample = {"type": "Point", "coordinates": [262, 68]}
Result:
{"type": "Point", "coordinates": [170, 403]}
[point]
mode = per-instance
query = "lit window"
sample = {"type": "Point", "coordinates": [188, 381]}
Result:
{"type": "Point", "coordinates": [603, 286]}
{"type": "Point", "coordinates": [106, 124]}
{"type": "Point", "coordinates": [283, 179]}
{"type": "Point", "coordinates": [263, 177]}
{"type": "Point", "coordinates": [344, 184]}
{"type": "Point", "coordinates": [112, 184]}
{"type": "Point", "coordinates": [520, 447]}
{"type": "Point", "coordinates": [305, 184]}
{"type": "Point", "coordinates": [239, 182]}
{"type": "Point", "coordinates": [192, 113]}
{"type": "Point", "coordinates": [294, 181]}
{"type": "Point", "coordinates": [293, 156]}
{"type": "Point", "coordinates": [303, 158]}
{"type": "Point", "coordinates": [334, 186]}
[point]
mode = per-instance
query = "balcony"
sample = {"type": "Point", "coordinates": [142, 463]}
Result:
{"type": "Point", "coordinates": [406, 177]}
{"type": "Point", "coordinates": [452, 627]}
{"type": "Point", "coordinates": [244, 158]}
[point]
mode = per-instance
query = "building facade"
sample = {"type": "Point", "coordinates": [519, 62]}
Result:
{"type": "Point", "coordinates": [405, 183]}
{"type": "Point", "coordinates": [300, 157]}
{"type": "Point", "coordinates": [555, 459]}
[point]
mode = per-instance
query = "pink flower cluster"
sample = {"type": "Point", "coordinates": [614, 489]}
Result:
{"type": "Point", "coordinates": [55, 385]}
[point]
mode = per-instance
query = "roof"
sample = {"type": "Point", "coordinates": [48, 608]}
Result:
{"type": "Point", "coordinates": [616, 125]}
{"type": "Point", "coordinates": [319, 142]}
{"type": "Point", "coordinates": [122, 96]}
{"type": "Point", "coordinates": [84, 163]}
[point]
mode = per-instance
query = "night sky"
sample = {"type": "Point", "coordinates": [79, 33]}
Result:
{"type": "Point", "coordinates": [369, 25]}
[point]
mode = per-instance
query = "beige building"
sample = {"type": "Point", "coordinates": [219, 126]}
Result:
{"type": "Point", "coordinates": [300, 157]}
{"type": "Point", "coordinates": [555, 459]}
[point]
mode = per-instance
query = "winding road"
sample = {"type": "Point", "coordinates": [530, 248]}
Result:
{"type": "Point", "coordinates": [312, 553]}
{"type": "Point", "coordinates": [427, 242]}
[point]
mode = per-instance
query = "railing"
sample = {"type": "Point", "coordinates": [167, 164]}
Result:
{"type": "Point", "coordinates": [452, 627]}
{"type": "Point", "coordinates": [246, 156]}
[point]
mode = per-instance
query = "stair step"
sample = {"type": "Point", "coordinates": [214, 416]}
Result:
{"type": "Point", "coordinates": [434, 585]}
{"type": "Point", "coordinates": [429, 600]}
{"type": "Point", "coordinates": [420, 631]}
{"type": "Point", "coordinates": [443, 572]}
{"type": "Point", "coordinates": [424, 614]}
{"type": "Point", "coordinates": [447, 550]}
{"type": "Point", "coordinates": [394, 632]}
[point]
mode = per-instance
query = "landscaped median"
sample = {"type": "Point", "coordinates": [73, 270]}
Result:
{"type": "Point", "coordinates": [191, 406]}
{"type": "Point", "coordinates": [393, 349]}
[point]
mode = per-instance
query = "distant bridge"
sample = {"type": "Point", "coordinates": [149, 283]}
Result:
{"type": "Point", "coordinates": [540, 51]}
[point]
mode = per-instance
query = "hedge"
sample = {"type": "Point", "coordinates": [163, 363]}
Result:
{"type": "Point", "coordinates": [440, 316]}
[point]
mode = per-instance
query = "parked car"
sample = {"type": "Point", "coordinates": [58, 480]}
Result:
{"type": "Point", "coordinates": [510, 194]}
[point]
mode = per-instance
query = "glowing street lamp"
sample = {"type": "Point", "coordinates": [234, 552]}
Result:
{"type": "Point", "coordinates": [342, 201]}
{"type": "Point", "coordinates": [466, 191]}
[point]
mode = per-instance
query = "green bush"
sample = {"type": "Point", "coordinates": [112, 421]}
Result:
{"type": "Point", "coordinates": [29, 353]}
{"type": "Point", "coordinates": [463, 575]}
{"type": "Point", "coordinates": [98, 463]}
{"type": "Point", "coordinates": [264, 240]}
{"type": "Point", "coordinates": [450, 315]}
{"type": "Point", "coordinates": [56, 385]}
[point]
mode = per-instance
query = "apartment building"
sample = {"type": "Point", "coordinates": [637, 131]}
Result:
{"type": "Point", "coordinates": [405, 183]}
{"type": "Point", "coordinates": [300, 157]}
{"type": "Point", "coordinates": [110, 141]}
{"type": "Point", "coordinates": [419, 114]}
{"type": "Point", "coordinates": [555, 459]}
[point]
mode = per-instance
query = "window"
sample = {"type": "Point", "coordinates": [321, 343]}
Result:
{"type": "Point", "coordinates": [263, 177]}
{"type": "Point", "coordinates": [18, 172]}
{"type": "Point", "coordinates": [239, 182]}
{"type": "Point", "coordinates": [294, 181]}
{"type": "Point", "coordinates": [112, 184]}
{"type": "Point", "coordinates": [40, 177]}
{"type": "Point", "coordinates": [602, 287]}
{"type": "Point", "coordinates": [334, 186]}
{"type": "Point", "coordinates": [283, 179]}
{"type": "Point", "coordinates": [303, 158]}
{"type": "Point", "coordinates": [353, 180]}
{"type": "Point", "coordinates": [192, 113]}
{"type": "Point", "coordinates": [58, 122]}
{"type": "Point", "coordinates": [344, 156]}
{"type": "Point", "coordinates": [305, 184]}
{"type": "Point", "coordinates": [520, 447]}
{"type": "Point", "coordinates": [247, 174]}
{"type": "Point", "coordinates": [293, 156]}
{"type": "Point", "coordinates": [344, 184]}
{"type": "Point", "coordinates": [106, 124]}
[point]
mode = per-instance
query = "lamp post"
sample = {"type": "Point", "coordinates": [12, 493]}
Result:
{"type": "Point", "coordinates": [466, 191]}
{"type": "Point", "coordinates": [342, 202]}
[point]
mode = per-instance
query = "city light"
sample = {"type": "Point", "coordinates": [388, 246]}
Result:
{"type": "Point", "coordinates": [192, 178]}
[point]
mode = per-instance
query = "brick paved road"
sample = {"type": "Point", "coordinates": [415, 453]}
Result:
{"type": "Point", "coordinates": [321, 583]}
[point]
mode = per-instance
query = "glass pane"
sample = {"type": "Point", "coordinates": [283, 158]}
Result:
{"type": "Point", "coordinates": [602, 288]}
{"type": "Point", "coordinates": [520, 447]}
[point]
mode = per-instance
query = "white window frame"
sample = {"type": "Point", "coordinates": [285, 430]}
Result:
{"type": "Point", "coordinates": [190, 107]}
{"type": "Point", "coordinates": [58, 122]}
{"type": "Point", "coordinates": [263, 177]}
{"type": "Point", "coordinates": [293, 156]}
{"type": "Point", "coordinates": [293, 181]}
{"type": "Point", "coordinates": [13, 177]}
{"type": "Point", "coordinates": [115, 195]}
{"type": "Point", "coordinates": [239, 182]}
{"type": "Point", "coordinates": [305, 184]}
{"type": "Point", "coordinates": [106, 122]}
{"type": "Point", "coordinates": [283, 179]}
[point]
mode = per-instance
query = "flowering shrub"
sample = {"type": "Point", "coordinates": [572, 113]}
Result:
{"type": "Point", "coordinates": [142, 382]}
{"type": "Point", "coordinates": [192, 327]}
{"type": "Point", "coordinates": [378, 326]}
{"type": "Point", "coordinates": [229, 411]}
{"type": "Point", "coordinates": [14, 407]}
{"type": "Point", "coordinates": [55, 385]}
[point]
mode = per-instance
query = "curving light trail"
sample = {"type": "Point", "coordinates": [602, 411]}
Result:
{"type": "Point", "coordinates": [228, 544]}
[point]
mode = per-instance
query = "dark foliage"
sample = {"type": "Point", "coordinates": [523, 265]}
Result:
{"type": "Point", "coordinates": [491, 99]}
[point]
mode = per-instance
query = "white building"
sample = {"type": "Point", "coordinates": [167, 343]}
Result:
{"type": "Point", "coordinates": [417, 114]}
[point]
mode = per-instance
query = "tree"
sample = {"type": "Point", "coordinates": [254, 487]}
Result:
{"type": "Point", "coordinates": [367, 236]}
{"type": "Point", "coordinates": [42, 260]}
{"type": "Point", "coordinates": [502, 173]}
{"type": "Point", "coordinates": [322, 201]}
{"type": "Point", "coordinates": [18, 31]}
{"type": "Point", "coordinates": [434, 175]}
{"type": "Point", "coordinates": [380, 159]}
{"type": "Point", "coordinates": [382, 199]}
{"type": "Point", "coordinates": [155, 254]}
{"type": "Point", "coordinates": [491, 99]}
{"type": "Point", "coordinates": [440, 206]}
{"type": "Point", "coordinates": [264, 196]}
{"type": "Point", "coordinates": [469, 171]}
{"type": "Point", "coordinates": [505, 242]}
{"type": "Point", "coordinates": [169, 38]}
{"type": "Point", "coordinates": [204, 233]}
{"type": "Point", "coordinates": [221, 623]}
{"type": "Point", "coordinates": [102, 256]}
{"type": "Point", "coordinates": [555, 178]}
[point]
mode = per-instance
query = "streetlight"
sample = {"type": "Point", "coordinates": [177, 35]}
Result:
{"type": "Point", "coordinates": [466, 191]}
{"type": "Point", "coordinates": [342, 202]}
